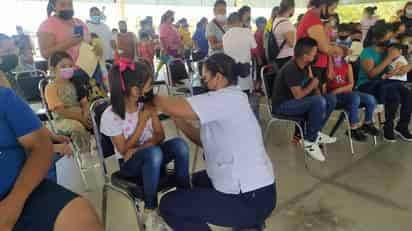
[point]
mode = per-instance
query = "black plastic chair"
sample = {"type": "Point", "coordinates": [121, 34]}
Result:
{"type": "Point", "coordinates": [176, 72]}
{"type": "Point", "coordinates": [130, 188]}
{"type": "Point", "coordinates": [27, 82]}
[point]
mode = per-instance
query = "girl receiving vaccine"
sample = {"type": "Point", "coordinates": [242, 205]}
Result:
{"type": "Point", "coordinates": [133, 125]}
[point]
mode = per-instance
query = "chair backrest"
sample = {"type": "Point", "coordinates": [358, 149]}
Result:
{"type": "Point", "coordinates": [267, 75]}
{"type": "Point", "coordinates": [27, 82]}
{"type": "Point", "coordinates": [42, 65]}
{"type": "Point", "coordinates": [176, 71]}
{"type": "Point", "coordinates": [103, 142]}
{"type": "Point", "coordinates": [42, 89]}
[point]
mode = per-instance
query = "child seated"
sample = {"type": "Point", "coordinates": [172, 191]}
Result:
{"type": "Point", "coordinates": [68, 103]}
{"type": "Point", "coordinates": [395, 69]}
{"type": "Point", "coordinates": [341, 84]}
{"type": "Point", "coordinates": [138, 136]}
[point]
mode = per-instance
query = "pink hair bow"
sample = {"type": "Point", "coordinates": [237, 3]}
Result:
{"type": "Point", "coordinates": [124, 64]}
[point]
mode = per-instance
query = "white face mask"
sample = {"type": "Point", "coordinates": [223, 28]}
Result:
{"type": "Point", "coordinates": [221, 18]}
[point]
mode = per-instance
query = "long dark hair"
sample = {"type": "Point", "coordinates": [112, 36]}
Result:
{"type": "Point", "coordinates": [55, 59]}
{"type": "Point", "coordinates": [168, 14]}
{"type": "Point", "coordinates": [137, 78]}
{"type": "Point", "coordinates": [376, 33]}
{"type": "Point", "coordinates": [225, 65]}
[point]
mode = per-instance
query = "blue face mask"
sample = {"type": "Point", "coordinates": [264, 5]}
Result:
{"type": "Point", "coordinates": [96, 19]}
{"type": "Point", "coordinates": [408, 12]}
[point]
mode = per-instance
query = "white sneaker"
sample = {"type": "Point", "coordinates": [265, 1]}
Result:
{"type": "Point", "coordinates": [153, 222]}
{"type": "Point", "coordinates": [313, 149]}
{"type": "Point", "coordinates": [325, 139]}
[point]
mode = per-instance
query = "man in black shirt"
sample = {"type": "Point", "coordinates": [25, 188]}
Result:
{"type": "Point", "coordinates": [296, 93]}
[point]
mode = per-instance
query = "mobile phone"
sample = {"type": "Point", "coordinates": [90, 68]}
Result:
{"type": "Point", "coordinates": [78, 30]}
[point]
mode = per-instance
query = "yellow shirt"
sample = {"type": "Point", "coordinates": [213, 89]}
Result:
{"type": "Point", "coordinates": [3, 80]}
{"type": "Point", "coordinates": [269, 25]}
{"type": "Point", "coordinates": [186, 37]}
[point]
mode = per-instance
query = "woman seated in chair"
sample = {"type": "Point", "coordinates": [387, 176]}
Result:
{"type": "Point", "coordinates": [133, 125]}
{"type": "Point", "coordinates": [68, 102]}
{"type": "Point", "coordinates": [341, 84]}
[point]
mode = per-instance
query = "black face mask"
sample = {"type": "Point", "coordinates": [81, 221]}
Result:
{"type": "Point", "coordinates": [66, 14]}
{"type": "Point", "coordinates": [315, 60]}
{"type": "Point", "coordinates": [384, 44]}
{"type": "Point", "coordinates": [344, 37]}
{"type": "Point", "coordinates": [147, 97]}
{"type": "Point", "coordinates": [203, 88]}
{"type": "Point", "coordinates": [8, 62]}
{"type": "Point", "coordinates": [326, 15]}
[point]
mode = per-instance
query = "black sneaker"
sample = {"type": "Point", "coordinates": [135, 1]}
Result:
{"type": "Point", "coordinates": [389, 135]}
{"type": "Point", "coordinates": [358, 135]}
{"type": "Point", "coordinates": [404, 134]}
{"type": "Point", "coordinates": [370, 129]}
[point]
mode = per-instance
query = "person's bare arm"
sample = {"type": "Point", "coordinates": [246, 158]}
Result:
{"type": "Point", "coordinates": [48, 45]}
{"type": "Point", "coordinates": [318, 33]}
{"type": "Point", "coordinates": [214, 43]}
{"type": "Point", "coordinates": [290, 38]}
{"type": "Point", "coordinates": [158, 131]}
{"type": "Point", "coordinates": [40, 149]}
{"type": "Point", "coordinates": [132, 141]}
{"type": "Point", "coordinates": [175, 106]}
{"type": "Point", "coordinates": [191, 132]}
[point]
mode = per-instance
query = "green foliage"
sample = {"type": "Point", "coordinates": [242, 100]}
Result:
{"type": "Point", "coordinates": [354, 13]}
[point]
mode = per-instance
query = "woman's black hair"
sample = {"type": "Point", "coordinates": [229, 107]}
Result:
{"type": "Point", "coordinates": [55, 59]}
{"type": "Point", "coordinates": [223, 64]}
{"type": "Point", "coordinates": [243, 10]}
{"type": "Point", "coordinates": [219, 2]}
{"type": "Point", "coordinates": [137, 78]}
{"type": "Point", "coordinates": [168, 14]}
{"type": "Point", "coordinates": [318, 3]}
{"type": "Point", "coordinates": [376, 33]}
{"type": "Point", "coordinates": [370, 10]}
{"type": "Point", "coordinates": [286, 5]}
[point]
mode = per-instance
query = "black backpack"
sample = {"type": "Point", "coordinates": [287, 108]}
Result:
{"type": "Point", "coordinates": [272, 49]}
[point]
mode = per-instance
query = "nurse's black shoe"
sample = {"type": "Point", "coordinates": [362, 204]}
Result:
{"type": "Point", "coordinates": [259, 228]}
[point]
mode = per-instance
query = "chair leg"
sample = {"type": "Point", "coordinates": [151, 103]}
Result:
{"type": "Point", "coordinates": [352, 149]}
{"type": "Point", "coordinates": [195, 160]}
{"type": "Point", "coordinates": [79, 164]}
{"type": "Point", "coordinates": [338, 124]}
{"type": "Point", "coordinates": [104, 206]}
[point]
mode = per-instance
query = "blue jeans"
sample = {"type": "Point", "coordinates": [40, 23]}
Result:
{"type": "Point", "coordinates": [369, 102]}
{"type": "Point", "coordinates": [317, 110]}
{"type": "Point", "coordinates": [350, 102]}
{"type": "Point", "coordinates": [193, 210]}
{"type": "Point", "coordinates": [148, 162]}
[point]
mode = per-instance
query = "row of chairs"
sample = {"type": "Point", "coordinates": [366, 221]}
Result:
{"type": "Point", "coordinates": [267, 75]}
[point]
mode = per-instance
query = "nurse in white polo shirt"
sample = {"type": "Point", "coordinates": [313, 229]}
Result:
{"type": "Point", "coordinates": [238, 187]}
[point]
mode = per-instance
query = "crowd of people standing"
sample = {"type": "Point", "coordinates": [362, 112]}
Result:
{"type": "Point", "coordinates": [320, 65]}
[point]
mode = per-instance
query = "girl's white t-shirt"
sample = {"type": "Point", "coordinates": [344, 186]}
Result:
{"type": "Point", "coordinates": [112, 125]}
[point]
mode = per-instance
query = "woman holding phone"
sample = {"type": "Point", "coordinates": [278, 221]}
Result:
{"type": "Point", "coordinates": [62, 32]}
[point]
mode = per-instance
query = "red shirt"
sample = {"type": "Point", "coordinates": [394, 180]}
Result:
{"type": "Point", "coordinates": [146, 51]}
{"type": "Point", "coordinates": [341, 77]}
{"type": "Point", "coordinates": [312, 19]}
{"type": "Point", "coordinates": [259, 51]}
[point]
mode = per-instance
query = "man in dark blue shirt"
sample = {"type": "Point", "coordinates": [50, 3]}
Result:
{"type": "Point", "coordinates": [26, 154]}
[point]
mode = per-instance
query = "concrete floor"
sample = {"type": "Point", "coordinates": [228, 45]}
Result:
{"type": "Point", "coordinates": [368, 191]}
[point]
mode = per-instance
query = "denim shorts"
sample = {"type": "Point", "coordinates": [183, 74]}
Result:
{"type": "Point", "coordinates": [43, 207]}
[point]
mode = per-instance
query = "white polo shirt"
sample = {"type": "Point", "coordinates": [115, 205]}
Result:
{"type": "Point", "coordinates": [236, 159]}
{"type": "Point", "coordinates": [238, 43]}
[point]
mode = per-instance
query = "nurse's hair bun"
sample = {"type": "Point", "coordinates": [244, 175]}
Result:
{"type": "Point", "coordinates": [241, 69]}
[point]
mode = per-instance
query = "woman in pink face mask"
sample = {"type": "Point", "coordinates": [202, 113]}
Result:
{"type": "Point", "coordinates": [68, 102]}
